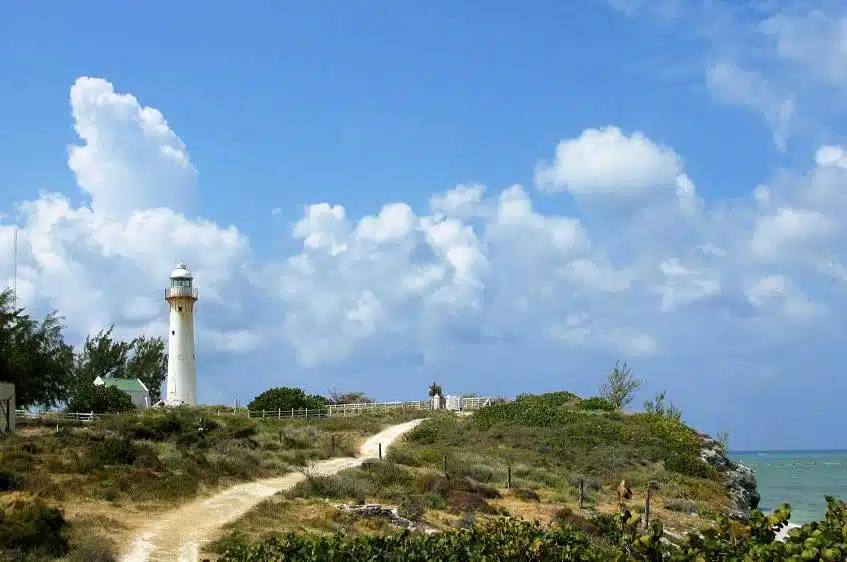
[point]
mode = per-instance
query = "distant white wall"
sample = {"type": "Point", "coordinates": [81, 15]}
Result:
{"type": "Point", "coordinates": [140, 399]}
{"type": "Point", "coordinates": [453, 402]}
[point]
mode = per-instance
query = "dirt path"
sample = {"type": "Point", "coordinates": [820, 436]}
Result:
{"type": "Point", "coordinates": [178, 534]}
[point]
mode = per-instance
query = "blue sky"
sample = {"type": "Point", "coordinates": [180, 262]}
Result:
{"type": "Point", "coordinates": [502, 198]}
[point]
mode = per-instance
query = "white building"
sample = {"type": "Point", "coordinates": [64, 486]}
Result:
{"type": "Point", "coordinates": [453, 402]}
{"type": "Point", "coordinates": [182, 371]}
{"type": "Point", "coordinates": [7, 407]}
{"type": "Point", "coordinates": [137, 391]}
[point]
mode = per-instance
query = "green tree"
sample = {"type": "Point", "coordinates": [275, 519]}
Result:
{"type": "Point", "coordinates": [104, 356]}
{"type": "Point", "coordinates": [620, 386]}
{"type": "Point", "coordinates": [33, 355]}
{"type": "Point", "coordinates": [101, 356]}
{"type": "Point", "coordinates": [436, 390]}
{"type": "Point", "coordinates": [149, 363]}
{"type": "Point", "coordinates": [336, 397]}
{"type": "Point", "coordinates": [286, 398]}
{"type": "Point", "coordinates": [659, 407]}
{"type": "Point", "coordinates": [99, 399]}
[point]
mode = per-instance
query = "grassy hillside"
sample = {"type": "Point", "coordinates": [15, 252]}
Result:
{"type": "Point", "coordinates": [107, 478]}
{"type": "Point", "coordinates": [550, 442]}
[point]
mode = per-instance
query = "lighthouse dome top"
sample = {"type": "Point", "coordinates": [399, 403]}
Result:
{"type": "Point", "coordinates": [181, 272]}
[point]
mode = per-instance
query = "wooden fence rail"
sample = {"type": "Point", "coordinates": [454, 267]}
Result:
{"type": "Point", "coordinates": [332, 410]}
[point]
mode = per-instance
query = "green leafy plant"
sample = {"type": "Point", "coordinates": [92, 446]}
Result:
{"type": "Point", "coordinates": [99, 399]}
{"type": "Point", "coordinates": [287, 398]}
{"type": "Point", "coordinates": [620, 386]}
{"type": "Point", "coordinates": [597, 403]}
{"type": "Point", "coordinates": [659, 407]}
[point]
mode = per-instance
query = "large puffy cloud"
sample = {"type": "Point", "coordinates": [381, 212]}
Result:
{"type": "Point", "coordinates": [130, 159]}
{"type": "Point", "coordinates": [607, 163]}
{"type": "Point", "coordinates": [107, 262]}
{"type": "Point", "coordinates": [480, 273]}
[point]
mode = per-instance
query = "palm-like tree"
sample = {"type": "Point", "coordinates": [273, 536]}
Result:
{"type": "Point", "coordinates": [435, 390]}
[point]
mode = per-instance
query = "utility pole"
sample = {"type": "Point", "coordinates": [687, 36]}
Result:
{"type": "Point", "coordinates": [15, 267]}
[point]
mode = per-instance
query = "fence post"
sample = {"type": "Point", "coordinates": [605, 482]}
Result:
{"type": "Point", "coordinates": [581, 492]}
{"type": "Point", "coordinates": [647, 509]}
{"type": "Point", "coordinates": [509, 477]}
{"type": "Point", "coordinates": [280, 436]}
{"type": "Point", "coordinates": [263, 414]}
{"type": "Point", "coordinates": [650, 486]}
{"type": "Point", "coordinates": [332, 454]}
{"type": "Point", "coordinates": [292, 413]}
{"type": "Point", "coordinates": [279, 413]}
{"type": "Point", "coordinates": [380, 451]}
{"type": "Point", "coordinates": [444, 462]}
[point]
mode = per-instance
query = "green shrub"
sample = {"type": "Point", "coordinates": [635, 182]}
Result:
{"type": "Point", "coordinates": [525, 494]}
{"type": "Point", "coordinates": [597, 403]}
{"type": "Point", "coordinates": [33, 526]}
{"type": "Point", "coordinates": [501, 539]}
{"type": "Point", "coordinates": [114, 451]}
{"type": "Point", "coordinates": [412, 507]}
{"type": "Point", "coordinates": [287, 398]}
{"type": "Point", "coordinates": [10, 481]}
{"type": "Point", "coordinates": [690, 465]}
{"type": "Point", "coordinates": [99, 399]}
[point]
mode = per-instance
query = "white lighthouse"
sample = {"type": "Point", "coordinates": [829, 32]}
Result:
{"type": "Point", "coordinates": [182, 372]}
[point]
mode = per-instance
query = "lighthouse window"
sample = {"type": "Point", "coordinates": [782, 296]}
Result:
{"type": "Point", "coordinates": [180, 308]}
{"type": "Point", "coordinates": [173, 332]}
{"type": "Point", "coordinates": [180, 282]}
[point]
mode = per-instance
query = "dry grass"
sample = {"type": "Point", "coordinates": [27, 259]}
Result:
{"type": "Point", "coordinates": [109, 477]}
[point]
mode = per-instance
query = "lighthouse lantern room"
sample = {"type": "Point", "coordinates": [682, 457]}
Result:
{"type": "Point", "coordinates": [182, 374]}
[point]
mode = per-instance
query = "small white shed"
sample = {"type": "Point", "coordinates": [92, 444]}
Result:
{"type": "Point", "coordinates": [7, 407]}
{"type": "Point", "coordinates": [136, 390]}
{"type": "Point", "coordinates": [454, 402]}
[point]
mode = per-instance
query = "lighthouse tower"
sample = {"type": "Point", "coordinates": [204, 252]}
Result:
{"type": "Point", "coordinates": [182, 373]}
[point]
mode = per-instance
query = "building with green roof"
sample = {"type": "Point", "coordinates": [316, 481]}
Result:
{"type": "Point", "coordinates": [136, 389]}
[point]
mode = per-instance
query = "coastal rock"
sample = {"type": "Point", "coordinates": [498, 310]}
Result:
{"type": "Point", "coordinates": [740, 480]}
{"type": "Point", "coordinates": [390, 512]}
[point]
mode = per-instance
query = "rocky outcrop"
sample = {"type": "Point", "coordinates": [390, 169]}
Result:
{"type": "Point", "coordinates": [740, 480]}
{"type": "Point", "coordinates": [390, 513]}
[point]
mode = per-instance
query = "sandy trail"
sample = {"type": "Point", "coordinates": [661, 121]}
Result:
{"type": "Point", "coordinates": [178, 534]}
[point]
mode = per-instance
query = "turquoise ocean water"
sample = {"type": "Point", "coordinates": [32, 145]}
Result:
{"type": "Point", "coordinates": [798, 478]}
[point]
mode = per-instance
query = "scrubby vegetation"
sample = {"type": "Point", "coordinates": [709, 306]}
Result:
{"type": "Point", "coordinates": [453, 471]}
{"type": "Point", "coordinates": [573, 538]}
{"type": "Point", "coordinates": [287, 398]}
{"type": "Point", "coordinates": [146, 460]}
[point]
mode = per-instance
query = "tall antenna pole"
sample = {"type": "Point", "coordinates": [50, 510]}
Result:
{"type": "Point", "coordinates": [15, 267]}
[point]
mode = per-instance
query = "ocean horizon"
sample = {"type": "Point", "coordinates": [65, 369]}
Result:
{"type": "Point", "coordinates": [800, 478]}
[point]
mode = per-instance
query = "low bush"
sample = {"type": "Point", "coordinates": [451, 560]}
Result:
{"type": "Point", "coordinates": [113, 451]}
{"type": "Point", "coordinates": [500, 539]}
{"type": "Point", "coordinates": [10, 481]}
{"type": "Point", "coordinates": [100, 400]}
{"type": "Point", "coordinates": [525, 494]}
{"type": "Point", "coordinates": [31, 525]}
{"type": "Point", "coordinates": [597, 403]}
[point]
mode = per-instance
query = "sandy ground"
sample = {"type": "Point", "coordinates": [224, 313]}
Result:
{"type": "Point", "coordinates": [178, 535]}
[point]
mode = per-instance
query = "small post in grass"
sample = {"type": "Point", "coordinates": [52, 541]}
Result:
{"type": "Point", "coordinates": [332, 454]}
{"type": "Point", "coordinates": [650, 486]}
{"type": "Point", "coordinates": [444, 462]}
{"type": "Point", "coordinates": [380, 451]}
{"type": "Point", "coordinates": [280, 436]}
{"type": "Point", "coordinates": [581, 492]}
{"type": "Point", "coordinates": [509, 477]}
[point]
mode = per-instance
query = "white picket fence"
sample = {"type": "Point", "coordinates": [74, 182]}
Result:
{"type": "Point", "coordinates": [58, 417]}
{"type": "Point", "coordinates": [332, 410]}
